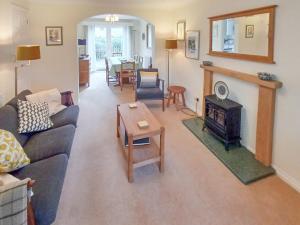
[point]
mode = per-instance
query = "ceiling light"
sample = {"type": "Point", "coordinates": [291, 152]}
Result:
{"type": "Point", "coordinates": [111, 18]}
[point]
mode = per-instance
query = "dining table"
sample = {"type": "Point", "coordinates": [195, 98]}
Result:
{"type": "Point", "coordinates": [115, 64]}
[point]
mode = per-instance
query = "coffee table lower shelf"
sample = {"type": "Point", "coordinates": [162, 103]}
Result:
{"type": "Point", "coordinates": [144, 154]}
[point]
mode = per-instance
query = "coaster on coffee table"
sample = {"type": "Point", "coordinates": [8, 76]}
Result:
{"type": "Point", "coordinates": [132, 105]}
{"type": "Point", "coordinates": [143, 124]}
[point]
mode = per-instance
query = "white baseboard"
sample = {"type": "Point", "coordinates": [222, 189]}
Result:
{"type": "Point", "coordinates": [293, 182]}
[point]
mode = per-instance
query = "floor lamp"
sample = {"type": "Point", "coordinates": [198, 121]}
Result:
{"type": "Point", "coordinates": [25, 53]}
{"type": "Point", "coordinates": [170, 44]}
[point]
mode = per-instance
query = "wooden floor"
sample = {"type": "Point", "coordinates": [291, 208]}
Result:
{"type": "Point", "coordinates": [196, 188]}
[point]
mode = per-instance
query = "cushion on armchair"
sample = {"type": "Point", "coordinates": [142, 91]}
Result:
{"type": "Point", "coordinates": [149, 93]}
{"type": "Point", "coordinates": [148, 79]}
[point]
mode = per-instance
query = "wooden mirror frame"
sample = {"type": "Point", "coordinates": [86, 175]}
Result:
{"type": "Point", "coordinates": [251, 12]}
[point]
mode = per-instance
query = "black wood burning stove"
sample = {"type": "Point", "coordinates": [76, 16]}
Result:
{"type": "Point", "coordinates": [223, 119]}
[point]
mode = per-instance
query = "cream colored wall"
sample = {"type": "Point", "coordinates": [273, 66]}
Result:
{"type": "Point", "coordinates": [258, 45]}
{"type": "Point", "coordinates": [186, 72]}
{"type": "Point", "coordinates": [143, 50]}
{"type": "Point", "coordinates": [7, 48]}
{"type": "Point", "coordinates": [59, 65]}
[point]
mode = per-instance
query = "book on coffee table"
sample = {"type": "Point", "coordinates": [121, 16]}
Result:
{"type": "Point", "coordinates": [143, 141]}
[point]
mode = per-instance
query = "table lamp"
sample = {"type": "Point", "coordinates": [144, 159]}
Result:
{"type": "Point", "coordinates": [170, 44]}
{"type": "Point", "coordinates": [25, 53]}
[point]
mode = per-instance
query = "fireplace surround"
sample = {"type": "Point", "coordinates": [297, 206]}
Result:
{"type": "Point", "coordinates": [265, 112]}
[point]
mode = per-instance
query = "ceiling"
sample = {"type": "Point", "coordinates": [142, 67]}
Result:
{"type": "Point", "coordinates": [125, 3]}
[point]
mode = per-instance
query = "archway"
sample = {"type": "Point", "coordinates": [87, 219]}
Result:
{"type": "Point", "coordinates": [125, 38]}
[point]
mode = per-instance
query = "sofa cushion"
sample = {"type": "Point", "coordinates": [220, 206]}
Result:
{"type": "Point", "coordinates": [49, 176]}
{"type": "Point", "coordinates": [49, 143]}
{"type": "Point", "coordinates": [12, 156]}
{"type": "Point", "coordinates": [66, 116]}
{"type": "Point", "coordinates": [33, 117]}
{"type": "Point", "coordinates": [149, 93]}
{"type": "Point", "coordinates": [21, 96]}
{"type": "Point", "coordinates": [9, 122]}
{"type": "Point", "coordinates": [52, 97]}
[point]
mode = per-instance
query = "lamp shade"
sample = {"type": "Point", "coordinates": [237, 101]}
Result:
{"type": "Point", "coordinates": [28, 52]}
{"type": "Point", "coordinates": [171, 44]}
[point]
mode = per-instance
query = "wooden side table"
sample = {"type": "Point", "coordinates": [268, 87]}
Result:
{"type": "Point", "coordinates": [174, 93]}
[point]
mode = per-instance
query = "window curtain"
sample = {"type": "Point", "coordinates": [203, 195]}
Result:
{"type": "Point", "coordinates": [92, 46]}
{"type": "Point", "coordinates": [127, 42]}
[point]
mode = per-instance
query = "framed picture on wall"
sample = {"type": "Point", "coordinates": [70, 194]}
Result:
{"type": "Point", "coordinates": [249, 31]}
{"type": "Point", "coordinates": [54, 35]}
{"type": "Point", "coordinates": [149, 35]}
{"type": "Point", "coordinates": [180, 30]}
{"type": "Point", "coordinates": [192, 44]}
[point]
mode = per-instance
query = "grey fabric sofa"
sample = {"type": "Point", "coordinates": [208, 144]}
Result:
{"type": "Point", "coordinates": [48, 151]}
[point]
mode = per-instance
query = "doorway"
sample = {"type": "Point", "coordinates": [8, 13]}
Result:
{"type": "Point", "coordinates": [109, 42]}
{"type": "Point", "coordinates": [124, 39]}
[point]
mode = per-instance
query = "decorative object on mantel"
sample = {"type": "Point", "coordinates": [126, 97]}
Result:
{"type": "Point", "coordinates": [207, 63]}
{"type": "Point", "coordinates": [221, 90]}
{"type": "Point", "coordinates": [266, 107]}
{"type": "Point", "coordinates": [54, 35]}
{"type": "Point", "coordinates": [192, 44]}
{"type": "Point", "coordinates": [240, 161]}
{"type": "Point", "coordinates": [25, 53]}
{"type": "Point", "coordinates": [265, 76]}
{"type": "Point", "coordinates": [227, 29]}
{"type": "Point", "coordinates": [181, 30]}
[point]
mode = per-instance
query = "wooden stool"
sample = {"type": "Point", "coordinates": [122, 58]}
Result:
{"type": "Point", "coordinates": [174, 92]}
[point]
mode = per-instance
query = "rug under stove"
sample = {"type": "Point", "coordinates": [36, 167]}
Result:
{"type": "Point", "coordinates": [238, 160]}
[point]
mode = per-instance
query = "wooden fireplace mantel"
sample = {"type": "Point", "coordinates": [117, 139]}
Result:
{"type": "Point", "coordinates": [265, 112]}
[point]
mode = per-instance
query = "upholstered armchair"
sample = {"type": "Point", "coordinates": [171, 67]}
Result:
{"type": "Point", "coordinates": [149, 92]}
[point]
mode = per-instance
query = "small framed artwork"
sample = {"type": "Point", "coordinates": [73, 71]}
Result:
{"type": "Point", "coordinates": [54, 35]}
{"type": "Point", "coordinates": [149, 35]}
{"type": "Point", "coordinates": [192, 44]}
{"type": "Point", "coordinates": [181, 30]}
{"type": "Point", "coordinates": [249, 31]}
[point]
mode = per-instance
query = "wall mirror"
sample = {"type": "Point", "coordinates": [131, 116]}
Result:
{"type": "Point", "coordinates": [247, 35]}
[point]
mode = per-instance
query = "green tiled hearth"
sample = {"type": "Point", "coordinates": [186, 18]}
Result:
{"type": "Point", "coordinates": [239, 160]}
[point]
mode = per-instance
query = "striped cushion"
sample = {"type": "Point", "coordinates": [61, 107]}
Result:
{"type": "Point", "coordinates": [148, 79]}
{"type": "Point", "coordinates": [13, 202]}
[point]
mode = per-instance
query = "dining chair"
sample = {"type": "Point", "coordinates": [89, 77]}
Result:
{"type": "Point", "coordinates": [127, 72]}
{"type": "Point", "coordinates": [109, 77]}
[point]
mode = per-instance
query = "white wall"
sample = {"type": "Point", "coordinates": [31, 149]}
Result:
{"type": "Point", "coordinates": [186, 72]}
{"type": "Point", "coordinates": [144, 51]}
{"type": "Point", "coordinates": [59, 65]}
{"type": "Point", "coordinates": [258, 45]}
{"type": "Point", "coordinates": [11, 33]}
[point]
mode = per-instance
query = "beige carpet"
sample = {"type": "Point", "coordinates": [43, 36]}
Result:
{"type": "Point", "coordinates": [196, 187]}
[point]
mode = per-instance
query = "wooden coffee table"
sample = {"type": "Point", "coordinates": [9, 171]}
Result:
{"type": "Point", "coordinates": [138, 156]}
